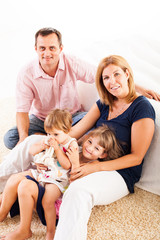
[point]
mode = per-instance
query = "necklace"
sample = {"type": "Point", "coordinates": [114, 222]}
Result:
{"type": "Point", "coordinates": [110, 116]}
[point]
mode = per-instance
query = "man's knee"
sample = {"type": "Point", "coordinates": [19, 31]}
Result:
{"type": "Point", "coordinates": [77, 117]}
{"type": "Point", "coordinates": [11, 138]}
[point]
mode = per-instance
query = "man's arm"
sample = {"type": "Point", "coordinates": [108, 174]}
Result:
{"type": "Point", "coordinates": [22, 120]}
{"type": "Point", "coordinates": [86, 72]}
{"type": "Point", "coordinates": [147, 92]}
{"type": "Point", "coordinates": [83, 70]}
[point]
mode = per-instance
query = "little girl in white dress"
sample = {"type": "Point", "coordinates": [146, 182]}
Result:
{"type": "Point", "coordinates": [51, 150]}
{"type": "Point", "coordinates": [56, 173]}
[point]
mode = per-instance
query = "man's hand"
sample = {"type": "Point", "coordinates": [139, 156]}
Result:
{"type": "Point", "coordinates": [151, 94]}
{"type": "Point", "coordinates": [22, 139]}
{"type": "Point", "coordinates": [22, 120]}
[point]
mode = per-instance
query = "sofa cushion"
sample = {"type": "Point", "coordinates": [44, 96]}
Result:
{"type": "Point", "coordinates": [88, 94]}
{"type": "Point", "coordinates": [150, 179]}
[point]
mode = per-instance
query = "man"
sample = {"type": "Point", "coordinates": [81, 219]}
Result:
{"type": "Point", "coordinates": [49, 82]}
{"type": "Point", "coordinates": [46, 83]}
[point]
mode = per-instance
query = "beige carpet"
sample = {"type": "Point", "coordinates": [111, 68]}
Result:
{"type": "Point", "coordinates": [135, 217]}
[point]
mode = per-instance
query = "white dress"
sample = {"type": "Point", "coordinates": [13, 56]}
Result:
{"type": "Point", "coordinates": [56, 173]}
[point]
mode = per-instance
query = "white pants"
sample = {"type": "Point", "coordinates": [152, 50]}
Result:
{"type": "Point", "coordinates": [100, 188]}
{"type": "Point", "coordinates": [18, 159]}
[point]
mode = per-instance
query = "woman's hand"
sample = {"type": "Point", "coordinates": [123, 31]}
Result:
{"type": "Point", "coordinates": [41, 167]}
{"type": "Point", "coordinates": [83, 170]}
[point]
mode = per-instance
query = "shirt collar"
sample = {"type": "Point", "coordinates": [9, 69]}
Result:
{"type": "Point", "coordinates": [61, 62]}
{"type": "Point", "coordinates": [38, 71]}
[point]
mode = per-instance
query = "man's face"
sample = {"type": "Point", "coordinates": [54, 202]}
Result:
{"type": "Point", "coordinates": [48, 50]}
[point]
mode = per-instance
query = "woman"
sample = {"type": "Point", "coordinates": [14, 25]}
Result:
{"type": "Point", "coordinates": [132, 118]}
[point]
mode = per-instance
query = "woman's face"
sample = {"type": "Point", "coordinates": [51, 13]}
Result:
{"type": "Point", "coordinates": [115, 81]}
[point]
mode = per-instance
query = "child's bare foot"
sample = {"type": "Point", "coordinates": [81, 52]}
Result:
{"type": "Point", "coordinates": [17, 235]}
{"type": "Point", "coordinates": [49, 235]}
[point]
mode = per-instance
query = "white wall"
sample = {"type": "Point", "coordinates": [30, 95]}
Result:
{"type": "Point", "coordinates": [83, 23]}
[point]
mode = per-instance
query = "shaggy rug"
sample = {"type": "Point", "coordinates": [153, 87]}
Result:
{"type": "Point", "coordinates": [134, 217]}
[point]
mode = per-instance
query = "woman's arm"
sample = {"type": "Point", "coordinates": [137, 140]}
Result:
{"type": "Point", "coordinates": [141, 135]}
{"type": "Point", "coordinates": [86, 123]}
{"type": "Point", "coordinates": [147, 93]}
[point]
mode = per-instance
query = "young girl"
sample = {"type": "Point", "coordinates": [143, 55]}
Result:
{"type": "Point", "coordinates": [51, 151]}
{"type": "Point", "coordinates": [100, 144]}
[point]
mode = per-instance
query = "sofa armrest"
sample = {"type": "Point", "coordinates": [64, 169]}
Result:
{"type": "Point", "coordinates": [150, 179]}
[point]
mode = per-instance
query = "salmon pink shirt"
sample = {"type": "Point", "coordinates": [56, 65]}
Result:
{"type": "Point", "coordinates": [37, 93]}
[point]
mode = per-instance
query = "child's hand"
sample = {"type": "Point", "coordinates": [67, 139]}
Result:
{"type": "Point", "coordinates": [41, 167]}
{"type": "Point", "coordinates": [43, 144]}
{"type": "Point", "coordinates": [53, 143]}
{"type": "Point", "coordinates": [73, 155]}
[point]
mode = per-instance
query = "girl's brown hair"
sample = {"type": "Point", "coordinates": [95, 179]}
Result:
{"type": "Point", "coordinates": [59, 119]}
{"type": "Point", "coordinates": [108, 141]}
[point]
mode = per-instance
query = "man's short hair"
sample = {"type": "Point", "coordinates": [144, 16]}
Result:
{"type": "Point", "coordinates": [48, 31]}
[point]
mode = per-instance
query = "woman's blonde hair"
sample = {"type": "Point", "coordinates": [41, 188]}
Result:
{"type": "Point", "coordinates": [107, 140]}
{"type": "Point", "coordinates": [58, 119]}
{"type": "Point", "coordinates": [119, 61]}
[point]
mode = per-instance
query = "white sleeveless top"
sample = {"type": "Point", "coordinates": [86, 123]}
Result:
{"type": "Point", "coordinates": [56, 174]}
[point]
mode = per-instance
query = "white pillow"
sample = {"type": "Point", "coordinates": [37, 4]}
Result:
{"type": "Point", "coordinates": [88, 94]}
{"type": "Point", "coordinates": [150, 179]}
